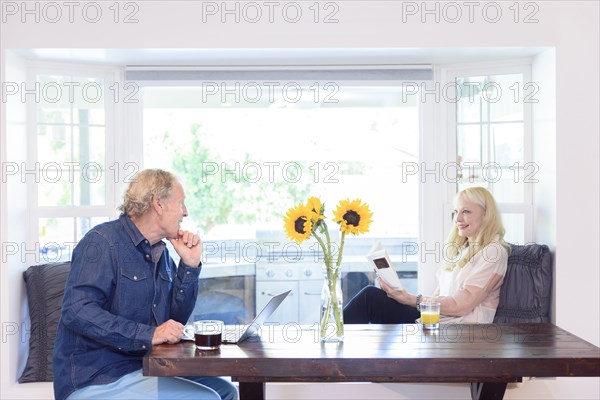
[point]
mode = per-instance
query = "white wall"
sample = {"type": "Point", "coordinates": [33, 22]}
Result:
{"type": "Point", "coordinates": [544, 148]}
{"type": "Point", "coordinates": [572, 27]}
{"type": "Point", "coordinates": [15, 257]}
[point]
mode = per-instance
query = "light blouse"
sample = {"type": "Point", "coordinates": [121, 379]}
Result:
{"type": "Point", "coordinates": [471, 294]}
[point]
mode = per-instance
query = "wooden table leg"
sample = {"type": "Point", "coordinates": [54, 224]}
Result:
{"type": "Point", "coordinates": [252, 390]}
{"type": "Point", "coordinates": [488, 390]}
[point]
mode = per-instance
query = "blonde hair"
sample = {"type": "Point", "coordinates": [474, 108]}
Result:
{"type": "Point", "coordinates": [492, 229]}
{"type": "Point", "coordinates": [145, 185]}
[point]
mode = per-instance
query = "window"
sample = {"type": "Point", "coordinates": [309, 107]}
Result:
{"type": "Point", "coordinates": [245, 164]}
{"type": "Point", "coordinates": [72, 189]}
{"type": "Point", "coordinates": [493, 142]}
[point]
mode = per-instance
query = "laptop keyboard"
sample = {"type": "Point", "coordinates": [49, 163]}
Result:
{"type": "Point", "coordinates": [233, 333]}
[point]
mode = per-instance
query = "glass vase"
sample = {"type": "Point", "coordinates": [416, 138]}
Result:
{"type": "Point", "coordinates": [332, 302]}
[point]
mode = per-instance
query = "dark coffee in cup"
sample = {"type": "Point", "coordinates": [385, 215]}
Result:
{"type": "Point", "coordinates": [208, 334]}
{"type": "Point", "coordinates": [208, 341]}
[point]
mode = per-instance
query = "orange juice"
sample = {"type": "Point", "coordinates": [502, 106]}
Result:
{"type": "Point", "coordinates": [430, 318]}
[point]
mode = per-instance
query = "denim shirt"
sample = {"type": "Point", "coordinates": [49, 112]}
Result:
{"type": "Point", "coordinates": [114, 298]}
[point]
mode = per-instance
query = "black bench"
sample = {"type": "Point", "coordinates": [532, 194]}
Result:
{"type": "Point", "coordinates": [525, 297]}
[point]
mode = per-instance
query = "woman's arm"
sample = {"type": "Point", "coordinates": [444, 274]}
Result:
{"type": "Point", "coordinates": [467, 298]}
{"type": "Point", "coordinates": [486, 276]}
{"type": "Point", "coordinates": [401, 296]}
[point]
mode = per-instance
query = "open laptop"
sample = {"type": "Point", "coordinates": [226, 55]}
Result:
{"type": "Point", "coordinates": [239, 333]}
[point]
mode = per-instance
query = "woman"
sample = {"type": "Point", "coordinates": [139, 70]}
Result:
{"type": "Point", "coordinates": [468, 282]}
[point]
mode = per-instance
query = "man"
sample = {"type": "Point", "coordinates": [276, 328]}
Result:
{"type": "Point", "coordinates": [125, 294]}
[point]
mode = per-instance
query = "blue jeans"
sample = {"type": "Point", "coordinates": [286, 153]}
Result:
{"type": "Point", "coordinates": [137, 386]}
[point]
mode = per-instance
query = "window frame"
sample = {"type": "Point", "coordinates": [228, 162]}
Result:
{"type": "Point", "coordinates": [522, 66]}
{"type": "Point", "coordinates": [110, 76]}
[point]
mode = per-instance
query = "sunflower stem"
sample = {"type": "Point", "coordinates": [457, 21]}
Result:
{"type": "Point", "coordinates": [341, 251]}
{"type": "Point", "coordinates": [325, 255]}
{"type": "Point", "coordinates": [328, 241]}
{"type": "Point", "coordinates": [339, 324]}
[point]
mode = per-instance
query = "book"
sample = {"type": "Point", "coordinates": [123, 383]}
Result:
{"type": "Point", "coordinates": [382, 264]}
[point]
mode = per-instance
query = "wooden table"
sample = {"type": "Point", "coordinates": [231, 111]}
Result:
{"type": "Point", "coordinates": [475, 353]}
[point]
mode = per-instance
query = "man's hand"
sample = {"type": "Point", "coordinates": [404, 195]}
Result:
{"type": "Point", "coordinates": [168, 332]}
{"type": "Point", "coordinates": [189, 247]}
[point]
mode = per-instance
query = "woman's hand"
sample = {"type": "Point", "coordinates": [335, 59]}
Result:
{"type": "Point", "coordinates": [401, 296]}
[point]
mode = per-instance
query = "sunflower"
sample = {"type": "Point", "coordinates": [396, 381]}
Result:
{"type": "Point", "coordinates": [298, 225]}
{"type": "Point", "coordinates": [353, 216]}
{"type": "Point", "coordinates": [316, 209]}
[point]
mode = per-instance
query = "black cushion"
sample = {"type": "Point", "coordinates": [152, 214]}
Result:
{"type": "Point", "coordinates": [45, 290]}
{"type": "Point", "coordinates": [526, 292]}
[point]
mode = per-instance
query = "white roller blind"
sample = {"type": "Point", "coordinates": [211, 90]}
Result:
{"type": "Point", "coordinates": [347, 74]}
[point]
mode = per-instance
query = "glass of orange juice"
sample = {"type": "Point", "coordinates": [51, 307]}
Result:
{"type": "Point", "coordinates": [430, 315]}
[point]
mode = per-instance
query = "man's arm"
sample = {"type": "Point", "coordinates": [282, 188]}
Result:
{"type": "Point", "coordinates": [89, 295]}
{"type": "Point", "coordinates": [185, 283]}
{"type": "Point", "coordinates": [185, 291]}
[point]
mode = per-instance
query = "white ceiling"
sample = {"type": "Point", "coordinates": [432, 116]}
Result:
{"type": "Point", "coordinates": [284, 56]}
